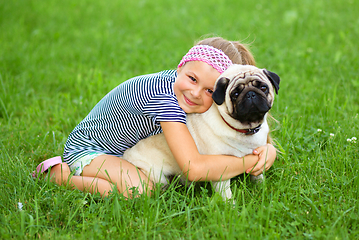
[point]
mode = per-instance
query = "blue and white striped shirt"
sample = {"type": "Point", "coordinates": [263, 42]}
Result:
{"type": "Point", "coordinates": [130, 112]}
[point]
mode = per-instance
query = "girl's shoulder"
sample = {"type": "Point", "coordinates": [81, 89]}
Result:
{"type": "Point", "coordinates": [148, 86]}
{"type": "Point", "coordinates": [166, 75]}
{"type": "Point", "coordinates": [156, 83]}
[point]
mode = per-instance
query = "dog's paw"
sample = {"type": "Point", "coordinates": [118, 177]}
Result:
{"type": "Point", "coordinates": [257, 179]}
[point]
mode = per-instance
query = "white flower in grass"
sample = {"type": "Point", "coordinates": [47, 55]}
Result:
{"type": "Point", "coordinates": [320, 130]}
{"type": "Point", "coordinates": [331, 134]}
{"type": "Point", "coordinates": [353, 139]}
{"type": "Point", "coordinates": [19, 206]}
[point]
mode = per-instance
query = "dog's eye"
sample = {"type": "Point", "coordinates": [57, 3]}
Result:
{"type": "Point", "coordinates": [235, 95]}
{"type": "Point", "coordinates": [264, 88]}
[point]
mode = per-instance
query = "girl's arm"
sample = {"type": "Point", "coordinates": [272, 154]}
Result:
{"type": "Point", "coordinates": [199, 167]}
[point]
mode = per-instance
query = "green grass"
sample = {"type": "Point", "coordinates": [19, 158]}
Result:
{"type": "Point", "coordinates": [59, 58]}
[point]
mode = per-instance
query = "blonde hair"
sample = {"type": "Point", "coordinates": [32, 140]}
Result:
{"type": "Point", "coordinates": [236, 51]}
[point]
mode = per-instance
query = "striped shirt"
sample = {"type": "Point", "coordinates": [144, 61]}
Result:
{"type": "Point", "coordinates": [130, 112]}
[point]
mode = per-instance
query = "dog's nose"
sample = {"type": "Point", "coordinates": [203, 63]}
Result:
{"type": "Point", "coordinates": [251, 94]}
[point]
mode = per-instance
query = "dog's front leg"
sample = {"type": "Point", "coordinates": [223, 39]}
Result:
{"type": "Point", "coordinates": [257, 179]}
{"type": "Point", "coordinates": [224, 188]}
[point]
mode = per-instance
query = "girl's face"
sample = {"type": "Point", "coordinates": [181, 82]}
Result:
{"type": "Point", "coordinates": [194, 86]}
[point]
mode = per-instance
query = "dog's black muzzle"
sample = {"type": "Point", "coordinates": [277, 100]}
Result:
{"type": "Point", "coordinates": [251, 107]}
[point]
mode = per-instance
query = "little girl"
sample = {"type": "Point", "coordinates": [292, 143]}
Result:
{"type": "Point", "coordinates": [148, 105]}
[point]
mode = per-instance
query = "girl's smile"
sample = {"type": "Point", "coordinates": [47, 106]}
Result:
{"type": "Point", "coordinates": [189, 102]}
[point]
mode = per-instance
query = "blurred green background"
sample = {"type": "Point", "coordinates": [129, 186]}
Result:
{"type": "Point", "coordinates": [59, 58]}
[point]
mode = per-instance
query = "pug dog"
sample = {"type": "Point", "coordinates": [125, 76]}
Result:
{"type": "Point", "coordinates": [235, 124]}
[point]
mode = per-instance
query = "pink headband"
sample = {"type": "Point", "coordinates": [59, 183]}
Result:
{"type": "Point", "coordinates": [208, 54]}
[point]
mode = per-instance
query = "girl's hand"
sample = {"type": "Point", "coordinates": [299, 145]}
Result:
{"type": "Point", "coordinates": [266, 157]}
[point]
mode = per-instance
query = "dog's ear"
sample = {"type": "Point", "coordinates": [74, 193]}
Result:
{"type": "Point", "coordinates": [273, 78]}
{"type": "Point", "coordinates": [219, 94]}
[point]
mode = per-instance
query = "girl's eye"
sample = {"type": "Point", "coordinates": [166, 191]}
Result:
{"type": "Point", "coordinates": [193, 79]}
{"type": "Point", "coordinates": [210, 91]}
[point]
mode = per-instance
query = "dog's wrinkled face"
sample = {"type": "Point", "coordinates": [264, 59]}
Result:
{"type": "Point", "coordinates": [245, 93]}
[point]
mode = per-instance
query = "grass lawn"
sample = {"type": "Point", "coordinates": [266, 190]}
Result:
{"type": "Point", "coordinates": [59, 58]}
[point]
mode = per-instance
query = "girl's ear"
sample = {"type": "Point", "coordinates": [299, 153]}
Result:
{"type": "Point", "coordinates": [219, 94]}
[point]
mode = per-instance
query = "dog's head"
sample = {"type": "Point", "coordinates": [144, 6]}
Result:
{"type": "Point", "coordinates": [244, 94]}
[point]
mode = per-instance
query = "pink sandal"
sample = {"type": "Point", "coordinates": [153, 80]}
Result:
{"type": "Point", "coordinates": [45, 165]}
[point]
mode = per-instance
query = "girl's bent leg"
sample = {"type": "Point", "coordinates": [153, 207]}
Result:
{"type": "Point", "coordinates": [119, 172]}
{"type": "Point", "coordinates": [91, 185]}
{"type": "Point", "coordinates": [60, 174]}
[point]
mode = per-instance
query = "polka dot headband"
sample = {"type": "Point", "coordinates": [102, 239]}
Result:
{"type": "Point", "coordinates": [208, 54]}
